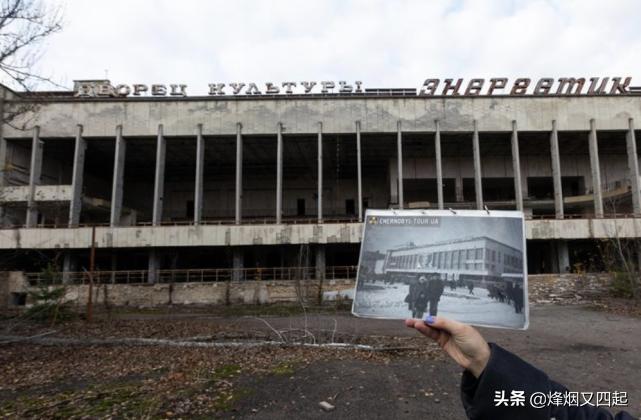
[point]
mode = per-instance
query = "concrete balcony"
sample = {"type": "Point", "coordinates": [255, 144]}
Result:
{"type": "Point", "coordinates": [276, 234]}
{"type": "Point", "coordinates": [42, 193]}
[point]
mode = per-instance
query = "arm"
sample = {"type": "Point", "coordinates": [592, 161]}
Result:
{"type": "Point", "coordinates": [490, 368]}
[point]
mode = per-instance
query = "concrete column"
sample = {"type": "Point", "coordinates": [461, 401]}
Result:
{"type": "Point", "coordinates": [68, 266]}
{"type": "Point", "coordinates": [198, 185]}
{"type": "Point", "coordinates": [638, 246]}
{"type": "Point", "coordinates": [154, 266]}
{"type": "Point", "coordinates": [75, 205]}
{"type": "Point", "coordinates": [3, 156]}
{"type": "Point", "coordinates": [114, 267]}
{"type": "Point", "coordinates": [359, 174]}
{"type": "Point", "coordinates": [439, 164]}
{"type": "Point", "coordinates": [458, 187]}
{"type": "Point", "coordinates": [320, 262]}
{"type": "Point", "coordinates": [399, 161]}
{"type": "Point", "coordinates": [524, 187]}
{"type": "Point", "coordinates": [279, 173]}
{"type": "Point", "coordinates": [238, 264]}
{"type": "Point", "coordinates": [516, 167]}
{"type": "Point", "coordinates": [554, 257]}
{"type": "Point", "coordinates": [563, 256]}
{"type": "Point", "coordinates": [478, 181]}
{"type": "Point", "coordinates": [3, 164]}
{"type": "Point", "coordinates": [633, 165]}
{"type": "Point", "coordinates": [3, 161]}
{"type": "Point", "coordinates": [596, 171]}
{"type": "Point", "coordinates": [118, 178]}
{"type": "Point", "coordinates": [556, 171]}
{"type": "Point", "coordinates": [239, 173]}
{"type": "Point", "coordinates": [35, 171]}
{"type": "Point", "coordinates": [319, 193]}
{"type": "Point", "coordinates": [159, 180]}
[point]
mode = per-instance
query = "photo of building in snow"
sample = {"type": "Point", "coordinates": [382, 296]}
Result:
{"type": "Point", "coordinates": [465, 265]}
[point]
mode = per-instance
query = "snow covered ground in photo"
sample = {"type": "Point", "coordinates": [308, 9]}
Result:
{"type": "Point", "coordinates": [379, 300]}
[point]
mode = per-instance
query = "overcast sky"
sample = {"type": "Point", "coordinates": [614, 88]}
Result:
{"type": "Point", "coordinates": [382, 43]}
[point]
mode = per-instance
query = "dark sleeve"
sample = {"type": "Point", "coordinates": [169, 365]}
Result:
{"type": "Point", "coordinates": [505, 373]}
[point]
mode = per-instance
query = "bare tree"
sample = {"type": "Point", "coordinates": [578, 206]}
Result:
{"type": "Point", "coordinates": [24, 24]}
{"type": "Point", "coordinates": [622, 258]}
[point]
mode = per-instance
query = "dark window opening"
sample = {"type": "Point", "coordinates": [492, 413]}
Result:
{"type": "Point", "coordinates": [300, 207]}
{"type": "Point", "coordinates": [419, 190]}
{"type": "Point", "coordinates": [498, 189]}
{"type": "Point", "coordinates": [18, 299]}
{"type": "Point", "coordinates": [469, 190]}
{"type": "Point", "coordinates": [572, 185]}
{"type": "Point", "coordinates": [190, 209]}
{"type": "Point", "coordinates": [350, 208]}
{"type": "Point", "coordinates": [540, 188]}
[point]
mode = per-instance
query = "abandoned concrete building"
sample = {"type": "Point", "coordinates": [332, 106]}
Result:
{"type": "Point", "coordinates": [263, 186]}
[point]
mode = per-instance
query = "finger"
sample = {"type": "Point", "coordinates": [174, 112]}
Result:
{"type": "Point", "coordinates": [449, 325]}
{"type": "Point", "coordinates": [427, 331]}
{"type": "Point", "coordinates": [419, 325]}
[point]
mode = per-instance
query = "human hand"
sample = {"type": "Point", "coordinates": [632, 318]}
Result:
{"type": "Point", "coordinates": [460, 341]}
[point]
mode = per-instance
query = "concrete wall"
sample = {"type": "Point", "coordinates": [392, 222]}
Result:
{"type": "Point", "coordinates": [247, 292]}
{"type": "Point", "coordinates": [230, 235]}
{"type": "Point", "coordinates": [42, 193]}
{"type": "Point", "coordinates": [583, 229]}
{"type": "Point", "coordinates": [11, 282]}
{"type": "Point", "coordinates": [205, 235]}
{"type": "Point", "coordinates": [140, 117]}
{"type": "Point", "coordinates": [542, 289]}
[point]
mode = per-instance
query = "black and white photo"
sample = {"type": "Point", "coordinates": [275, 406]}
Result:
{"type": "Point", "coordinates": [466, 265]}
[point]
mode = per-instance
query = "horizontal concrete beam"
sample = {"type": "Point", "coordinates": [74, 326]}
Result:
{"type": "Point", "coordinates": [14, 194]}
{"type": "Point", "coordinates": [338, 115]}
{"type": "Point", "coordinates": [165, 236]}
{"type": "Point", "coordinates": [583, 229]}
{"type": "Point", "coordinates": [239, 235]}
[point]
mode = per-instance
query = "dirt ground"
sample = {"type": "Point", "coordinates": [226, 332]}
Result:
{"type": "Point", "coordinates": [585, 349]}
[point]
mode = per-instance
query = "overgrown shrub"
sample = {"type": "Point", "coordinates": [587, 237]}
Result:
{"type": "Point", "coordinates": [623, 285]}
{"type": "Point", "coordinates": [49, 304]}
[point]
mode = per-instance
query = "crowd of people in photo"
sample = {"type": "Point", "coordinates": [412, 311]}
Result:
{"type": "Point", "coordinates": [510, 294]}
{"type": "Point", "coordinates": [425, 293]}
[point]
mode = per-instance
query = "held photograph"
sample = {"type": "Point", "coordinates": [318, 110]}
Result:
{"type": "Point", "coordinates": [466, 265]}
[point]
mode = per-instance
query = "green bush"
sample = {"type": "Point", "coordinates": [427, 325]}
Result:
{"type": "Point", "coordinates": [49, 305]}
{"type": "Point", "coordinates": [623, 285]}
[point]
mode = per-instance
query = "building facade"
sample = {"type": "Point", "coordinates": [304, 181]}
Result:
{"type": "Point", "coordinates": [252, 183]}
